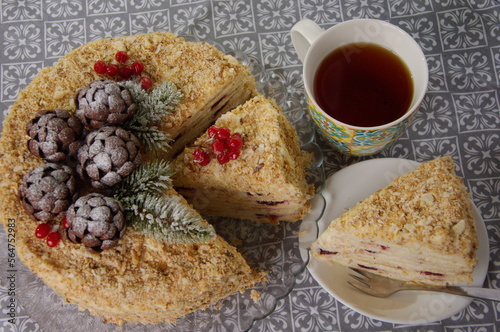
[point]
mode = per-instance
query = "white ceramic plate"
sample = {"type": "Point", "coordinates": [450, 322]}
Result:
{"type": "Point", "coordinates": [342, 191]}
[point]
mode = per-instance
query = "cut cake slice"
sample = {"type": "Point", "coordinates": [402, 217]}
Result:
{"type": "Point", "coordinates": [419, 229]}
{"type": "Point", "coordinates": [267, 183]}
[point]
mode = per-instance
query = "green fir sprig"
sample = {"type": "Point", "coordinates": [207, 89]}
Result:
{"type": "Point", "coordinates": [167, 220]}
{"type": "Point", "coordinates": [152, 107]}
{"type": "Point", "coordinates": [151, 177]}
{"type": "Point", "coordinates": [151, 211]}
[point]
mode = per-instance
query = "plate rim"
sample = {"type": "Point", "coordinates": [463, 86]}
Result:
{"type": "Point", "coordinates": [482, 253]}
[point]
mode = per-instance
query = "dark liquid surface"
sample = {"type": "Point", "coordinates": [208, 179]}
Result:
{"type": "Point", "coordinates": [363, 85]}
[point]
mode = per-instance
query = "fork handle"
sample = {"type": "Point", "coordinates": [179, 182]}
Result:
{"type": "Point", "coordinates": [476, 292]}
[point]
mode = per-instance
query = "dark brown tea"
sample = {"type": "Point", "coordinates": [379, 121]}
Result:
{"type": "Point", "coordinates": [363, 85]}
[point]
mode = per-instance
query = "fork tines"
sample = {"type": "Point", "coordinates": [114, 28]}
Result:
{"type": "Point", "coordinates": [359, 278]}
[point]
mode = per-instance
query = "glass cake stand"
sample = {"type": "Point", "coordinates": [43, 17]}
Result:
{"type": "Point", "coordinates": [274, 248]}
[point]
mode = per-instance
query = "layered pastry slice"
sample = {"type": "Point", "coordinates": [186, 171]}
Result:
{"type": "Point", "coordinates": [419, 229]}
{"type": "Point", "coordinates": [265, 181]}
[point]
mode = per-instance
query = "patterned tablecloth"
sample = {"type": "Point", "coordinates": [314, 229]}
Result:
{"type": "Point", "coordinates": [460, 115]}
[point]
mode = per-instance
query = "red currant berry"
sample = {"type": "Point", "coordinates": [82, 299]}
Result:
{"type": "Point", "coordinates": [125, 72]}
{"type": "Point", "coordinates": [235, 142]}
{"type": "Point", "coordinates": [137, 67]}
{"type": "Point", "coordinates": [223, 158]}
{"type": "Point", "coordinates": [100, 67]}
{"type": "Point", "coordinates": [112, 70]}
{"type": "Point", "coordinates": [223, 134]}
{"type": "Point", "coordinates": [218, 147]}
{"type": "Point", "coordinates": [121, 56]}
{"type": "Point", "coordinates": [201, 157]}
{"type": "Point", "coordinates": [42, 230]}
{"type": "Point", "coordinates": [65, 223]}
{"type": "Point", "coordinates": [197, 153]}
{"type": "Point", "coordinates": [146, 83]}
{"type": "Point", "coordinates": [53, 239]}
{"type": "Point", "coordinates": [233, 154]}
{"type": "Point", "coordinates": [205, 161]}
{"type": "Point", "coordinates": [212, 131]}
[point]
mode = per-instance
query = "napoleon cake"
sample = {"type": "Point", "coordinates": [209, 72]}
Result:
{"type": "Point", "coordinates": [418, 229]}
{"type": "Point", "coordinates": [249, 165]}
{"type": "Point", "coordinates": [111, 234]}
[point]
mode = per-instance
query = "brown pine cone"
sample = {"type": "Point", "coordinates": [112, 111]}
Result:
{"type": "Point", "coordinates": [47, 191]}
{"type": "Point", "coordinates": [108, 155]}
{"type": "Point", "coordinates": [96, 221]}
{"type": "Point", "coordinates": [104, 103]}
{"type": "Point", "coordinates": [54, 135]}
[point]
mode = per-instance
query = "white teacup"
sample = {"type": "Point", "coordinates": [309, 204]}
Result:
{"type": "Point", "coordinates": [313, 44]}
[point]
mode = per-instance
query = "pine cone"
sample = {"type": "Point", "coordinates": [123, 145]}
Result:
{"type": "Point", "coordinates": [96, 221]}
{"type": "Point", "coordinates": [104, 103]}
{"type": "Point", "coordinates": [108, 155]}
{"type": "Point", "coordinates": [54, 135]}
{"type": "Point", "coordinates": [47, 191]}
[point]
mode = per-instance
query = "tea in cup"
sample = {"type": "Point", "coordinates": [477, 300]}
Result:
{"type": "Point", "coordinates": [364, 81]}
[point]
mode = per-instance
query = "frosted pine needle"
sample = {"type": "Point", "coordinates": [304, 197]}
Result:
{"type": "Point", "coordinates": [152, 107]}
{"type": "Point", "coordinates": [151, 211]}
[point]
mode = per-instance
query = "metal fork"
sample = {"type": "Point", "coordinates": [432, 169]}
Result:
{"type": "Point", "coordinates": [380, 286]}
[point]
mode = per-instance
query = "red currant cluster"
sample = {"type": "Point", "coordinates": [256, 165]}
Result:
{"type": "Point", "coordinates": [123, 70]}
{"type": "Point", "coordinates": [50, 232]}
{"type": "Point", "coordinates": [224, 145]}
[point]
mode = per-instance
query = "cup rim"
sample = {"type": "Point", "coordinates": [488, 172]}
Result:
{"type": "Point", "coordinates": [416, 102]}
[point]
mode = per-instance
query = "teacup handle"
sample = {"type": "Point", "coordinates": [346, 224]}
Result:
{"type": "Point", "coordinates": [304, 33]}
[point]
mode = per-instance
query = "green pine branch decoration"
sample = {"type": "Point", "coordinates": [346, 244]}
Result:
{"type": "Point", "coordinates": [152, 107]}
{"type": "Point", "coordinates": [149, 210]}
{"type": "Point", "coordinates": [151, 177]}
{"type": "Point", "coordinates": [151, 138]}
{"type": "Point", "coordinates": [167, 220]}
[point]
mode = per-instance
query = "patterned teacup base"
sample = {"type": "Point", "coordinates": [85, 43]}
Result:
{"type": "Point", "coordinates": [356, 142]}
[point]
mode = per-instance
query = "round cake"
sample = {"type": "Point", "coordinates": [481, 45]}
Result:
{"type": "Point", "coordinates": [137, 276]}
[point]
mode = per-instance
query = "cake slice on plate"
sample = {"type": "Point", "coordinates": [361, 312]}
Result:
{"type": "Point", "coordinates": [264, 181]}
{"type": "Point", "coordinates": [419, 229]}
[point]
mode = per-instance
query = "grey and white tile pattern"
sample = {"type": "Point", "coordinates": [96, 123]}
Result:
{"type": "Point", "coordinates": [459, 116]}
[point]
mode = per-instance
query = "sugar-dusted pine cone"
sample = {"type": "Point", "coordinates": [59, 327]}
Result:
{"type": "Point", "coordinates": [48, 190]}
{"type": "Point", "coordinates": [104, 103]}
{"type": "Point", "coordinates": [107, 156]}
{"type": "Point", "coordinates": [54, 135]}
{"type": "Point", "coordinates": [96, 221]}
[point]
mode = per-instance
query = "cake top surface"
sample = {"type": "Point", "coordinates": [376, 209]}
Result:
{"type": "Point", "coordinates": [429, 206]}
{"type": "Point", "coordinates": [165, 57]}
{"type": "Point", "coordinates": [270, 158]}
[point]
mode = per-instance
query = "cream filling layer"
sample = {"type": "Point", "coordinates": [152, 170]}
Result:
{"type": "Point", "coordinates": [263, 208]}
{"type": "Point", "coordinates": [412, 262]}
